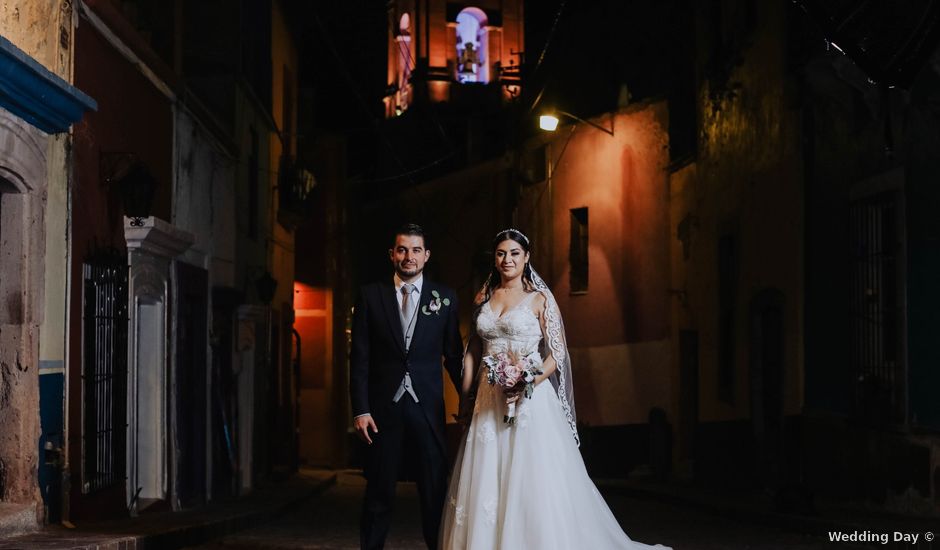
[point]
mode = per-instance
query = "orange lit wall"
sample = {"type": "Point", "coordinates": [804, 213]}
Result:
{"type": "Point", "coordinates": [284, 59]}
{"type": "Point", "coordinates": [622, 179]}
{"type": "Point", "coordinates": [312, 307]}
{"type": "Point", "coordinates": [618, 331]}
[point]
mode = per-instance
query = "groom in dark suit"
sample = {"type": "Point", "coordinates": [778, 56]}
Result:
{"type": "Point", "coordinates": [402, 329]}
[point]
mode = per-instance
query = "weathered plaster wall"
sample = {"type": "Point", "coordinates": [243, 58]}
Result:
{"type": "Point", "coordinates": [23, 151]}
{"type": "Point", "coordinates": [746, 182]}
{"type": "Point", "coordinates": [135, 118]}
{"type": "Point", "coordinates": [283, 59]}
{"type": "Point", "coordinates": [42, 29]}
{"type": "Point", "coordinates": [52, 343]}
{"type": "Point", "coordinates": [32, 328]}
{"type": "Point", "coordinates": [618, 329]}
{"type": "Point", "coordinates": [251, 251]}
{"type": "Point", "coordinates": [203, 198]}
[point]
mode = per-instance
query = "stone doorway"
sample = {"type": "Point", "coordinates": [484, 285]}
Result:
{"type": "Point", "coordinates": [22, 241]}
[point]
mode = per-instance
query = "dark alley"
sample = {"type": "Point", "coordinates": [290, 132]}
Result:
{"type": "Point", "coordinates": [469, 275]}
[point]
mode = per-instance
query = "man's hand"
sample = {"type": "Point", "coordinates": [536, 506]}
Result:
{"type": "Point", "coordinates": [362, 425]}
{"type": "Point", "coordinates": [464, 412]}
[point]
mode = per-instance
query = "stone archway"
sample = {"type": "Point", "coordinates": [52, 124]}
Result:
{"type": "Point", "coordinates": [472, 44]}
{"type": "Point", "coordinates": [22, 245]}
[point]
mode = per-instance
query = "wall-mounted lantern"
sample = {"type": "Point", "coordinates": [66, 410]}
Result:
{"type": "Point", "coordinates": [266, 285]}
{"type": "Point", "coordinates": [137, 189]}
{"type": "Point", "coordinates": [134, 182]}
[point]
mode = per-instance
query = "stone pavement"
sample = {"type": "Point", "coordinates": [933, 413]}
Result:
{"type": "Point", "coordinates": [284, 517]}
{"type": "Point", "coordinates": [758, 510]}
{"type": "Point", "coordinates": [175, 530]}
{"type": "Point", "coordinates": [331, 522]}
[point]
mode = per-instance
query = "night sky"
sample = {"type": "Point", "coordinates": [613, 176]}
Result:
{"type": "Point", "coordinates": [579, 57]}
{"type": "Point", "coordinates": [343, 52]}
{"type": "Point", "coordinates": [343, 47]}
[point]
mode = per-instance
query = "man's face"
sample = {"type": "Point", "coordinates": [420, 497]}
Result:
{"type": "Point", "coordinates": [409, 256]}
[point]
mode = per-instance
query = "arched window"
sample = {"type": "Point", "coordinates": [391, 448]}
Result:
{"type": "Point", "coordinates": [405, 62]}
{"type": "Point", "coordinates": [471, 46]}
{"type": "Point", "coordinates": [404, 24]}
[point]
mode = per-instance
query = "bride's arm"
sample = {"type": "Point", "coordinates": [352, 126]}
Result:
{"type": "Point", "coordinates": [474, 354]}
{"type": "Point", "coordinates": [471, 360]}
{"type": "Point", "coordinates": [548, 362]}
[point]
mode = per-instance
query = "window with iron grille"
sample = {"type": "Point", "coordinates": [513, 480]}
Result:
{"type": "Point", "coordinates": [104, 370]}
{"type": "Point", "coordinates": [876, 307]}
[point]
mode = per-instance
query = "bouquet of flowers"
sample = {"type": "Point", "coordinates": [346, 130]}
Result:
{"type": "Point", "coordinates": [503, 371]}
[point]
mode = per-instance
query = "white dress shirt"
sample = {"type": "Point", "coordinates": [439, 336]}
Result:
{"type": "Point", "coordinates": [399, 283]}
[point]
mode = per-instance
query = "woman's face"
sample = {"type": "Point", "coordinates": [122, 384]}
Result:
{"type": "Point", "coordinates": [510, 259]}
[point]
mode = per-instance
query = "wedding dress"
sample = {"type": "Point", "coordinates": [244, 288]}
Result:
{"type": "Point", "coordinates": [524, 485]}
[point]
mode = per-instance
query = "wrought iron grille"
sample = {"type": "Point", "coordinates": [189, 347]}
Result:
{"type": "Point", "coordinates": [876, 308]}
{"type": "Point", "coordinates": [104, 370]}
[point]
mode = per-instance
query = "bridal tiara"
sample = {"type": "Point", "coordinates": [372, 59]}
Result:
{"type": "Point", "coordinates": [516, 231]}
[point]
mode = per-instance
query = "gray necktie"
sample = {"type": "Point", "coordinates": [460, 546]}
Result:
{"type": "Point", "coordinates": [409, 304]}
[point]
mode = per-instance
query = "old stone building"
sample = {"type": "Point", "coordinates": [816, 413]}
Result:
{"type": "Point", "coordinates": [37, 107]}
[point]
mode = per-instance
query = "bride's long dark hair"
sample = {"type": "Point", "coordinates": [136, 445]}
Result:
{"type": "Point", "coordinates": [494, 277]}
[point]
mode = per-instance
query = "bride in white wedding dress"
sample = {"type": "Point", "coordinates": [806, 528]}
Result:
{"type": "Point", "coordinates": [523, 485]}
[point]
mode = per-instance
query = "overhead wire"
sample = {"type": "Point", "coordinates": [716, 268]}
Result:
{"type": "Point", "coordinates": [354, 88]}
{"type": "Point", "coordinates": [405, 173]}
{"type": "Point", "coordinates": [548, 41]}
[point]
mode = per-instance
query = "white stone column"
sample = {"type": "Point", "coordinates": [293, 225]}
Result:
{"type": "Point", "coordinates": [152, 249]}
{"type": "Point", "coordinates": [253, 327]}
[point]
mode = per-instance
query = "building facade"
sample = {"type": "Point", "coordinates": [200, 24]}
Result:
{"type": "Point", "coordinates": [38, 105]}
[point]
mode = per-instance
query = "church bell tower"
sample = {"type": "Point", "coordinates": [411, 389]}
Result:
{"type": "Point", "coordinates": [438, 49]}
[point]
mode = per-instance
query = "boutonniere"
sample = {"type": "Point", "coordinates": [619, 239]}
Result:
{"type": "Point", "coordinates": [435, 305]}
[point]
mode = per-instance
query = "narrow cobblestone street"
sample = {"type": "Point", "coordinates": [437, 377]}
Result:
{"type": "Point", "coordinates": [329, 521]}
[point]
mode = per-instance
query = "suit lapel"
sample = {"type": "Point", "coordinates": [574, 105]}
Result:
{"type": "Point", "coordinates": [390, 305]}
{"type": "Point", "coordinates": [419, 322]}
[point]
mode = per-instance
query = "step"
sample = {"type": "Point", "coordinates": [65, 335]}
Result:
{"type": "Point", "coordinates": [17, 519]}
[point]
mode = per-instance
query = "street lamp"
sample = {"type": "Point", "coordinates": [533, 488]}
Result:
{"type": "Point", "coordinates": [549, 122]}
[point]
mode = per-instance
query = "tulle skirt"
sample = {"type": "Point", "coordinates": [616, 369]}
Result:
{"type": "Point", "coordinates": [524, 486]}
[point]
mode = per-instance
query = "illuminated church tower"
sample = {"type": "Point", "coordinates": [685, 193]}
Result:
{"type": "Point", "coordinates": [436, 48]}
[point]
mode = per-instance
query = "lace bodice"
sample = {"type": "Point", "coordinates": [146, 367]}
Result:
{"type": "Point", "coordinates": [517, 331]}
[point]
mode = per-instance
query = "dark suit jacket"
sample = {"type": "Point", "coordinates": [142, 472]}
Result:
{"type": "Point", "coordinates": [378, 359]}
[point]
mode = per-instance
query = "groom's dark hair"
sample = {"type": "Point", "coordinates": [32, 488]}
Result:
{"type": "Point", "coordinates": [413, 230]}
